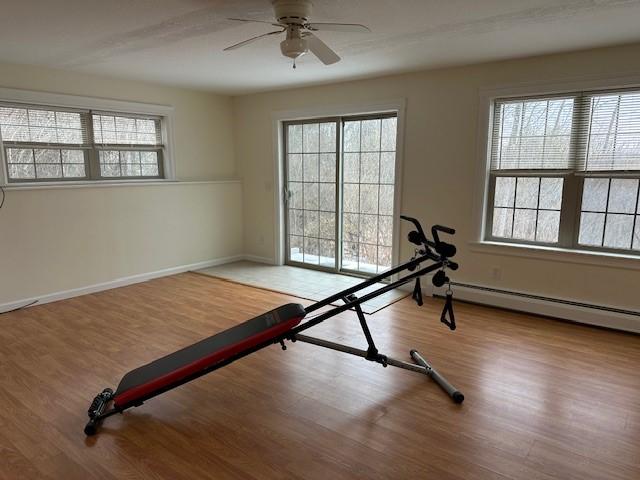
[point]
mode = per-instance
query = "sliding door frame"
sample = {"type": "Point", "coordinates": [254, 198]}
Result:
{"type": "Point", "coordinates": [394, 106]}
{"type": "Point", "coordinates": [338, 194]}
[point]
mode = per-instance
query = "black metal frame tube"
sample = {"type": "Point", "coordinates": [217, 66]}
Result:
{"type": "Point", "coordinates": [342, 308]}
{"type": "Point", "coordinates": [366, 283]}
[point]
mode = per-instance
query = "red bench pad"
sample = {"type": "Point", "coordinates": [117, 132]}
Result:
{"type": "Point", "coordinates": [155, 376]}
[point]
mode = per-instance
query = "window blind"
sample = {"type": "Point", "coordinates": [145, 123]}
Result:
{"type": "Point", "coordinates": [532, 133]}
{"type": "Point", "coordinates": [585, 131]}
{"type": "Point", "coordinates": [44, 126]}
{"type": "Point", "coordinates": [610, 132]}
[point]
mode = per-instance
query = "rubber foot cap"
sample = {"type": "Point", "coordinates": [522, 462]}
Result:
{"type": "Point", "coordinates": [457, 397]}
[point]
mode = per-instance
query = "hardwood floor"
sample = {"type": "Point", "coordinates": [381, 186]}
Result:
{"type": "Point", "coordinates": [544, 399]}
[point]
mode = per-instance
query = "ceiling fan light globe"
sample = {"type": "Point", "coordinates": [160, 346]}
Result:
{"type": "Point", "coordinates": [294, 47]}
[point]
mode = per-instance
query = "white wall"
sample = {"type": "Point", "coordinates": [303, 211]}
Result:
{"type": "Point", "coordinates": [439, 177]}
{"type": "Point", "coordinates": [58, 239]}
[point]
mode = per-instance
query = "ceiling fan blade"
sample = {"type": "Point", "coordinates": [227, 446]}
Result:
{"type": "Point", "coordinates": [321, 49]}
{"type": "Point", "coordinates": [338, 27]}
{"type": "Point", "coordinates": [250, 40]}
{"type": "Point", "coordinates": [246, 20]}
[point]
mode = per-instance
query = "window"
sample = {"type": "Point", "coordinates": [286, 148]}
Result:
{"type": "Point", "coordinates": [565, 170]}
{"type": "Point", "coordinates": [340, 176]}
{"type": "Point", "coordinates": [42, 143]}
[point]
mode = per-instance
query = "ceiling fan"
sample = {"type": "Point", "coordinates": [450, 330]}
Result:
{"type": "Point", "coordinates": [292, 16]}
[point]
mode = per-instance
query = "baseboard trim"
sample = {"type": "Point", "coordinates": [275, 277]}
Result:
{"type": "Point", "coordinates": [116, 283]}
{"type": "Point", "coordinates": [258, 259]}
{"type": "Point", "coordinates": [579, 312]}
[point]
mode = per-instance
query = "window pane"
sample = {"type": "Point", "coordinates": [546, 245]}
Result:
{"type": "Point", "coordinates": [311, 225]}
{"type": "Point", "coordinates": [389, 134]}
{"type": "Point", "coordinates": [327, 253]}
{"type": "Point", "coordinates": [636, 236]}
{"type": "Point", "coordinates": [150, 170]}
{"type": "Point", "coordinates": [369, 229]}
{"type": "Point", "coordinates": [311, 201]}
{"type": "Point", "coordinates": [73, 156]}
{"type": "Point", "coordinates": [524, 224]}
{"type": "Point", "coordinates": [295, 167]}
{"type": "Point", "coordinates": [19, 155]}
{"type": "Point", "coordinates": [327, 225]}
{"type": "Point", "coordinates": [350, 255]}
{"type": "Point", "coordinates": [594, 195]}
{"type": "Point", "coordinates": [591, 229]}
{"type": "Point", "coordinates": [623, 195]}
{"type": "Point", "coordinates": [311, 251]}
{"type": "Point", "coordinates": [294, 139]}
{"type": "Point", "coordinates": [618, 231]}
{"type": "Point", "coordinates": [310, 167]}
{"type": "Point", "coordinates": [502, 222]}
{"type": "Point", "coordinates": [548, 227]}
{"type": "Point", "coordinates": [351, 198]}
{"type": "Point", "coordinates": [505, 193]}
{"type": "Point", "coordinates": [368, 258]}
{"type": "Point", "coordinates": [296, 246]}
{"type": "Point", "coordinates": [384, 258]}
{"type": "Point", "coordinates": [368, 199]}
{"type": "Point", "coordinates": [73, 170]}
{"type": "Point", "coordinates": [351, 172]}
{"type": "Point", "coordinates": [386, 199]}
{"type": "Point", "coordinates": [551, 193]}
{"type": "Point", "coordinates": [527, 192]}
{"type": "Point", "coordinates": [311, 138]}
{"type": "Point", "coordinates": [370, 168]}
{"type": "Point", "coordinates": [295, 189]}
{"type": "Point", "coordinates": [131, 170]}
{"type": "Point", "coordinates": [296, 219]}
{"type": "Point", "coordinates": [110, 169]}
{"type": "Point", "coordinates": [350, 227]}
{"type": "Point", "coordinates": [370, 135]}
{"type": "Point", "coordinates": [387, 167]}
{"type": "Point", "coordinates": [328, 137]}
{"type": "Point", "coordinates": [328, 167]}
{"type": "Point", "coordinates": [385, 230]}
{"type": "Point", "coordinates": [351, 136]}
{"type": "Point", "coordinates": [22, 171]}
{"type": "Point", "coordinates": [328, 197]}
{"type": "Point", "coordinates": [48, 171]}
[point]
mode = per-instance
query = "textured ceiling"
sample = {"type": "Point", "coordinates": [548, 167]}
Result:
{"type": "Point", "coordinates": [180, 42]}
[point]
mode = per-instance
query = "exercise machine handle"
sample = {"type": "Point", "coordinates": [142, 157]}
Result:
{"type": "Point", "coordinates": [422, 237]}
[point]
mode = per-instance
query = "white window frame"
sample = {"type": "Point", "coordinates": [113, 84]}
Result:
{"type": "Point", "coordinates": [482, 241]}
{"type": "Point", "coordinates": [165, 112]}
{"type": "Point", "coordinates": [397, 106]}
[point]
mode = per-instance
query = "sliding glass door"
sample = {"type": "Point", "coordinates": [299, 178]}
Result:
{"type": "Point", "coordinates": [339, 192]}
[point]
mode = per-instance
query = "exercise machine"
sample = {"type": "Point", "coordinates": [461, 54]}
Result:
{"type": "Point", "coordinates": [285, 323]}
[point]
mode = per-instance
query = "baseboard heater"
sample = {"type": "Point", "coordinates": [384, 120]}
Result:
{"type": "Point", "coordinates": [580, 312]}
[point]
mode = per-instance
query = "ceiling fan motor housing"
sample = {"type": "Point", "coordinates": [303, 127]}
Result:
{"type": "Point", "coordinates": [292, 12]}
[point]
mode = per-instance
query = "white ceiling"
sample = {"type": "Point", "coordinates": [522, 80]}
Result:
{"type": "Point", "coordinates": [180, 42]}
